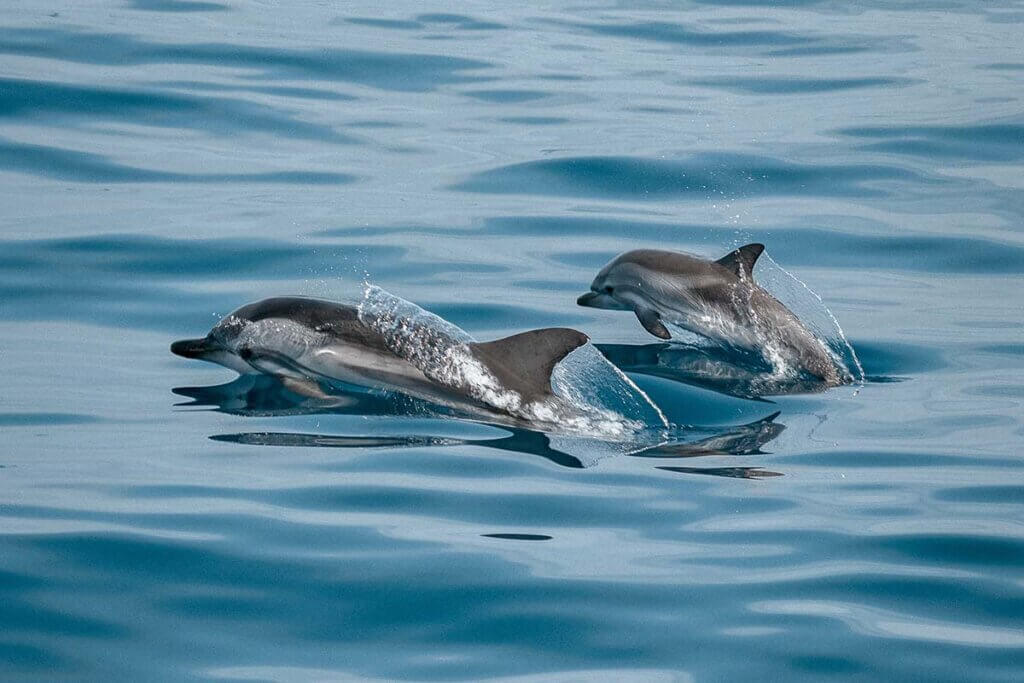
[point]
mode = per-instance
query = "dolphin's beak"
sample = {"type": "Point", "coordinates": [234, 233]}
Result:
{"type": "Point", "coordinates": [195, 348]}
{"type": "Point", "coordinates": [599, 300]}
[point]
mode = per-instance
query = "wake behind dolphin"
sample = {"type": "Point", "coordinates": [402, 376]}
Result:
{"type": "Point", "coordinates": [718, 300]}
{"type": "Point", "coordinates": [384, 342]}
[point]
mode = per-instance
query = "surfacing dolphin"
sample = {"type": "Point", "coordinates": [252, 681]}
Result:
{"type": "Point", "coordinates": [306, 341]}
{"type": "Point", "coordinates": [716, 299]}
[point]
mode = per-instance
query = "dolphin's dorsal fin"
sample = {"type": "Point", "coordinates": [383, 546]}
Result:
{"type": "Point", "coordinates": [523, 362]}
{"type": "Point", "coordinates": [741, 262]}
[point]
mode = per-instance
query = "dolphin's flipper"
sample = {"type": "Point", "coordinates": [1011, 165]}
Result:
{"type": "Point", "coordinates": [273, 363]}
{"type": "Point", "coordinates": [523, 362]}
{"type": "Point", "coordinates": [741, 262]}
{"type": "Point", "coordinates": [651, 320]}
{"type": "Point", "coordinates": [293, 377]}
{"type": "Point", "coordinates": [270, 362]}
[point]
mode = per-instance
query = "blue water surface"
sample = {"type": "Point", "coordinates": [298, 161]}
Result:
{"type": "Point", "coordinates": [163, 162]}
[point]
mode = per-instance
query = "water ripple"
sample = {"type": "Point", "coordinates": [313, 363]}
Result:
{"type": "Point", "coordinates": [384, 70]}
{"type": "Point", "coordinates": [93, 287]}
{"type": "Point", "coordinates": [177, 6]}
{"type": "Point", "coordinates": [788, 85]}
{"type": "Point", "coordinates": [38, 99]}
{"type": "Point", "coordinates": [991, 142]}
{"type": "Point", "coordinates": [839, 247]}
{"type": "Point", "coordinates": [700, 176]}
{"type": "Point", "coordinates": [64, 164]}
{"type": "Point", "coordinates": [164, 161]}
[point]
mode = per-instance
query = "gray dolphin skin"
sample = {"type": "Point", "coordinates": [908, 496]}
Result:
{"type": "Point", "coordinates": [716, 299]}
{"type": "Point", "coordinates": [302, 340]}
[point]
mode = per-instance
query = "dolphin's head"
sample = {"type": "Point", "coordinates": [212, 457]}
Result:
{"type": "Point", "coordinates": [280, 327]}
{"type": "Point", "coordinates": [647, 278]}
{"type": "Point", "coordinates": [602, 290]}
{"type": "Point", "coordinates": [220, 346]}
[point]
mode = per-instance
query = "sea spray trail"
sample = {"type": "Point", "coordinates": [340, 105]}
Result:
{"type": "Point", "coordinates": [591, 396]}
{"type": "Point", "coordinates": [837, 329]}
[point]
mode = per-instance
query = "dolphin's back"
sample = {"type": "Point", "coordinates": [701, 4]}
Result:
{"type": "Point", "coordinates": [522, 363]}
{"type": "Point", "coordinates": [737, 264]}
{"type": "Point", "coordinates": [312, 313]}
{"type": "Point", "coordinates": [326, 317]}
{"type": "Point", "coordinates": [662, 261]}
{"type": "Point", "coordinates": [668, 280]}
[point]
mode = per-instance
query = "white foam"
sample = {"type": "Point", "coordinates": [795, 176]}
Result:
{"type": "Point", "coordinates": [592, 397]}
{"type": "Point", "coordinates": [829, 332]}
{"type": "Point", "coordinates": [806, 304]}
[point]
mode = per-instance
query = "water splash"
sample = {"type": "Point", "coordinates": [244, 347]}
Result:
{"type": "Point", "coordinates": [812, 310]}
{"type": "Point", "coordinates": [760, 356]}
{"type": "Point", "coordinates": [592, 397]}
{"type": "Point", "coordinates": [583, 378]}
{"type": "Point", "coordinates": [781, 362]}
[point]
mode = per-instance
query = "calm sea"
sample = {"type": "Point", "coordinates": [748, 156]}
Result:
{"type": "Point", "coordinates": [163, 162]}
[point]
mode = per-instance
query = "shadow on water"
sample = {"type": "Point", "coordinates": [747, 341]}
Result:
{"type": "Point", "coordinates": [266, 396]}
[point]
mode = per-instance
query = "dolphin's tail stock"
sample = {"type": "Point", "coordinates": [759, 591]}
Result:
{"type": "Point", "coordinates": [524, 362]}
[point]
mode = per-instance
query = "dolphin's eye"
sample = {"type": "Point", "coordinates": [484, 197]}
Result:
{"type": "Point", "coordinates": [608, 289]}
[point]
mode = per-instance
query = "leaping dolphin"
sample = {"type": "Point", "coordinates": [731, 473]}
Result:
{"type": "Point", "coordinates": [303, 341]}
{"type": "Point", "coordinates": [716, 299]}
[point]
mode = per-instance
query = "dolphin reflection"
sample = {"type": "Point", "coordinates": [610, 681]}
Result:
{"type": "Point", "coordinates": [266, 396]}
{"type": "Point", "coordinates": [744, 439]}
{"type": "Point", "coordinates": [732, 472]}
{"type": "Point", "coordinates": [725, 370]}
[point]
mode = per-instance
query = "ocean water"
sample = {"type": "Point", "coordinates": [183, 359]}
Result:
{"type": "Point", "coordinates": [163, 162]}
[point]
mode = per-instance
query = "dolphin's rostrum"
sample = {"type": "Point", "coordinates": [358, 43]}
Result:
{"type": "Point", "coordinates": [716, 299]}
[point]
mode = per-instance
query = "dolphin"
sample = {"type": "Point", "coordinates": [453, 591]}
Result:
{"type": "Point", "coordinates": [716, 299]}
{"type": "Point", "coordinates": [308, 342]}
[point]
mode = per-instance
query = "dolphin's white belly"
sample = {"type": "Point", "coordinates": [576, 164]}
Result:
{"type": "Point", "coordinates": [365, 367]}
